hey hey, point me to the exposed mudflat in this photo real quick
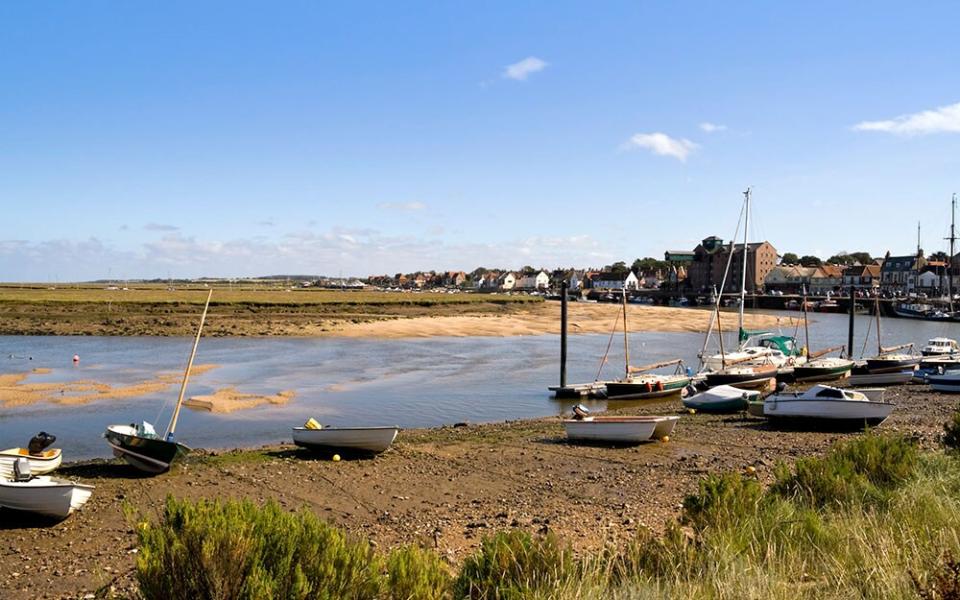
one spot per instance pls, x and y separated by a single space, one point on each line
444 488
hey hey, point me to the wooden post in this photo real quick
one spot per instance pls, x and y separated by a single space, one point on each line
186 374
563 334
626 344
853 304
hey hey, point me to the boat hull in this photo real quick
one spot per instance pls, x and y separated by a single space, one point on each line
741 375
842 413
948 384
358 439
46 496
892 378
619 430
151 455
644 389
890 365
721 399
823 371
47 462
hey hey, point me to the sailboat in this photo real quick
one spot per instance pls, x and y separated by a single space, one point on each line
637 382
759 354
139 445
889 359
818 366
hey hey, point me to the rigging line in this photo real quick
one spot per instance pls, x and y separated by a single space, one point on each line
866 338
723 283
603 360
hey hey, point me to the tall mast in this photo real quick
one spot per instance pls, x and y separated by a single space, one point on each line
879 341
626 345
743 264
186 374
952 238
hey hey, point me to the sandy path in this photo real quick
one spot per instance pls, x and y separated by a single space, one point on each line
585 317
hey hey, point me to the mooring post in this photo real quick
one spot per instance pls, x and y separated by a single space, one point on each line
563 334
853 305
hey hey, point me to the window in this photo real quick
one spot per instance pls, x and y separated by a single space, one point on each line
829 393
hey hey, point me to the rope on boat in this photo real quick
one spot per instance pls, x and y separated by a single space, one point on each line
603 360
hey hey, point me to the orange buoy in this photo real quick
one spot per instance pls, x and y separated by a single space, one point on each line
76 358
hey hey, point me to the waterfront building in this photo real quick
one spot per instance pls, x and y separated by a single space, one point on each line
710 260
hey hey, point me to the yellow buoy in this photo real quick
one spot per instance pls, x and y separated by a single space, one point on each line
665 438
692 411
336 458
751 470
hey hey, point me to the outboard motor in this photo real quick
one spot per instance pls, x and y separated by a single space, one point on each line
40 442
781 387
580 412
21 470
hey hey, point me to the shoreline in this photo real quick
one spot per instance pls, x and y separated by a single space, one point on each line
442 487
479 318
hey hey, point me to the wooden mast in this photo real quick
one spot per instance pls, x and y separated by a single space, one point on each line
806 321
952 238
626 345
186 374
723 356
879 342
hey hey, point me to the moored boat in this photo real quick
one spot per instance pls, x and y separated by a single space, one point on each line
42 459
619 430
359 439
825 404
140 446
823 369
646 386
742 374
948 382
861 375
940 346
892 362
43 495
721 399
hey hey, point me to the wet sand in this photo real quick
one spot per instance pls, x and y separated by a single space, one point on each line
16 391
227 400
443 488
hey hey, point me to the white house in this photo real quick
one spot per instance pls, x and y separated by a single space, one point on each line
575 282
608 281
508 281
540 281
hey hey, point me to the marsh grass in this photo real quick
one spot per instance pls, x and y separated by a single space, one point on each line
873 518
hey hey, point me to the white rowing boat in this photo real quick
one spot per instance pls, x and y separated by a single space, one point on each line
363 439
619 430
42 495
45 462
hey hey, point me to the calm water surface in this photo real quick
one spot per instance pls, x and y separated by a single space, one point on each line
410 383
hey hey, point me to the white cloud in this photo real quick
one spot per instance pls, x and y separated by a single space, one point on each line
519 71
712 127
347 250
160 227
402 206
662 144
945 119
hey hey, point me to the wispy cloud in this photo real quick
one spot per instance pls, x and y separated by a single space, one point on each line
265 223
402 206
709 127
662 144
945 119
520 71
160 227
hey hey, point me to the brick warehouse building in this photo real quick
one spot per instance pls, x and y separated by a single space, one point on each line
710 260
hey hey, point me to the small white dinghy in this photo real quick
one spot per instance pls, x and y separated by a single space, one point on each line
42 460
828 404
359 439
616 429
42 495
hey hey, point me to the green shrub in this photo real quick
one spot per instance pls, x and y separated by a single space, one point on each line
515 565
865 470
417 574
951 432
722 499
237 550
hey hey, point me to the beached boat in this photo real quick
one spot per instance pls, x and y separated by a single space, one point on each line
42 495
637 383
358 439
38 453
892 362
742 375
827 404
139 445
823 369
948 382
861 375
940 346
619 430
721 399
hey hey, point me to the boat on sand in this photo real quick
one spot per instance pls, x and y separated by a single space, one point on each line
721 399
617 429
358 439
825 404
43 495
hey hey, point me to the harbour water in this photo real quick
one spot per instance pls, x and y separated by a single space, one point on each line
342 381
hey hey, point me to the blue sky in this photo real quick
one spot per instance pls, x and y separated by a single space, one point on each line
155 139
